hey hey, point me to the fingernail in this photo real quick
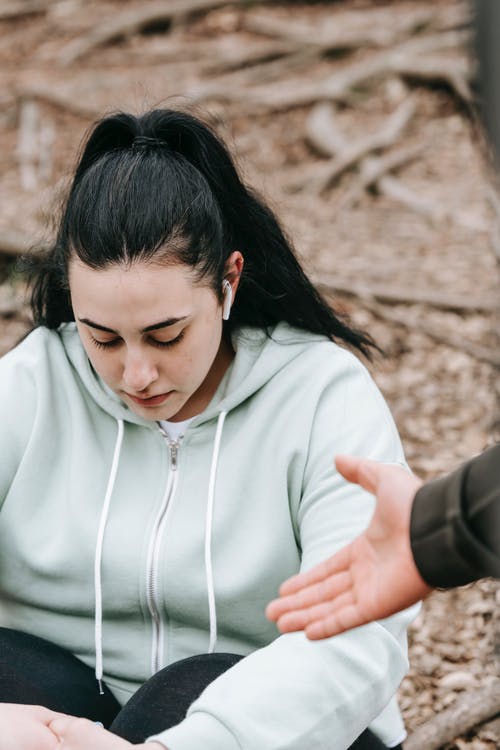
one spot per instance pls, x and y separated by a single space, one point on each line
99 724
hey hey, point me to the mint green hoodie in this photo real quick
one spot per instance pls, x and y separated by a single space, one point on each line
134 553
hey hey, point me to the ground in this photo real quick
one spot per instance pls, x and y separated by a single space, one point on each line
415 265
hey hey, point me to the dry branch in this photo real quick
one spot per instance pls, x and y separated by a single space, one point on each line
326 137
13 242
11 307
338 86
324 175
27 145
322 132
374 171
379 27
398 191
394 295
476 351
471 709
494 201
336 36
71 104
262 54
134 21
14 10
454 73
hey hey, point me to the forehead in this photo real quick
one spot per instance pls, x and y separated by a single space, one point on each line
135 294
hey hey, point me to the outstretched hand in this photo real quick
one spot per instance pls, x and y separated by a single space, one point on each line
373 577
24 727
80 734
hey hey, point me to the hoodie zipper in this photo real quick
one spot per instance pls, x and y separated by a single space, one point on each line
154 553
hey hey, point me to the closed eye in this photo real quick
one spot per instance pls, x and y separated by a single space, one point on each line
105 344
154 342
171 342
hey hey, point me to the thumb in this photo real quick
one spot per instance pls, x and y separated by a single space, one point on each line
360 471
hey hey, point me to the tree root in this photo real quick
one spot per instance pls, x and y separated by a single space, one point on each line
133 21
10 11
345 155
470 709
394 295
403 59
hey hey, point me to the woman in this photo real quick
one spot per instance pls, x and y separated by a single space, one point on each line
166 443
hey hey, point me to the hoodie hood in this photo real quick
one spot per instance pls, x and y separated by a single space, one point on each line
259 356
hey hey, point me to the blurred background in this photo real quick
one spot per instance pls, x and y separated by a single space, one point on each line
358 120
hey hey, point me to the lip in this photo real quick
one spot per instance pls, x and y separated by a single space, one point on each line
152 401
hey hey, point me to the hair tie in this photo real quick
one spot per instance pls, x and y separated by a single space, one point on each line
141 142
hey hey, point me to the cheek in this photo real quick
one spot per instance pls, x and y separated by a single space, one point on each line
105 364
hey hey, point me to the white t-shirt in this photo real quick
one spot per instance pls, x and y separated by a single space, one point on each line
175 429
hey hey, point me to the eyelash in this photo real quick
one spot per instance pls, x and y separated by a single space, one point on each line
154 342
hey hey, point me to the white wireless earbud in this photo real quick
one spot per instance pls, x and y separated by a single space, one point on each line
227 290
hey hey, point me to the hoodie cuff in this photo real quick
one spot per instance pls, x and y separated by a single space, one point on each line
197 730
446 552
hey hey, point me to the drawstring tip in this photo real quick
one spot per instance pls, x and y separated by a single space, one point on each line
99 683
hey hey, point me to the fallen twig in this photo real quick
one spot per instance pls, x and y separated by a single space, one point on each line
337 87
469 710
347 30
374 170
13 242
324 175
133 21
12 10
454 73
27 145
56 99
398 191
476 351
394 295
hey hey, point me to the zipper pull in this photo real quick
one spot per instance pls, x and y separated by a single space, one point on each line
173 447
174 450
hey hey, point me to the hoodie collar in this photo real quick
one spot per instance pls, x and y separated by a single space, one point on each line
259 355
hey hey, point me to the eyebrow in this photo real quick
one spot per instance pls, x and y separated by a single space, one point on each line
154 327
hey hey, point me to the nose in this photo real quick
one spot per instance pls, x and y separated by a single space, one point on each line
139 371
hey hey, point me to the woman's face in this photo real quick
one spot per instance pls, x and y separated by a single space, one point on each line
153 334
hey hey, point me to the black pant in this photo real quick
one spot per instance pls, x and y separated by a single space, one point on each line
35 671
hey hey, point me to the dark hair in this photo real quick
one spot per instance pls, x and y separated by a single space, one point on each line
163 187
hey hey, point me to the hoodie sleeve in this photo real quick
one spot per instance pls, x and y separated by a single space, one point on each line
297 694
17 410
455 524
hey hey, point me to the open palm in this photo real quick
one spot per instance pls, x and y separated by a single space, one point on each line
373 577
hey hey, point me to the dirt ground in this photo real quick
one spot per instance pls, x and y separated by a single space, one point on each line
411 256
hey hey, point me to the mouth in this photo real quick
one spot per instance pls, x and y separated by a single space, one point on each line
151 401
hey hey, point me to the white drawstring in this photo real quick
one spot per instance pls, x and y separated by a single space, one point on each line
208 535
98 557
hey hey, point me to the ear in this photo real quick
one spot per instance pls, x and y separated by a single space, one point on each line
233 268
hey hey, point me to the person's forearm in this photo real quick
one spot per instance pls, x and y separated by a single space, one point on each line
455 524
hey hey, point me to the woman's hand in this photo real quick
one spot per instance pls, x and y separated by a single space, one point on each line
81 734
25 727
373 577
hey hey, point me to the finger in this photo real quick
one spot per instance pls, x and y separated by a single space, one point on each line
337 563
338 622
65 726
324 591
362 471
299 619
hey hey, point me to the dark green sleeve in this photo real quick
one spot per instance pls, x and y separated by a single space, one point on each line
455 524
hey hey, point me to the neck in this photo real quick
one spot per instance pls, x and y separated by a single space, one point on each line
202 397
